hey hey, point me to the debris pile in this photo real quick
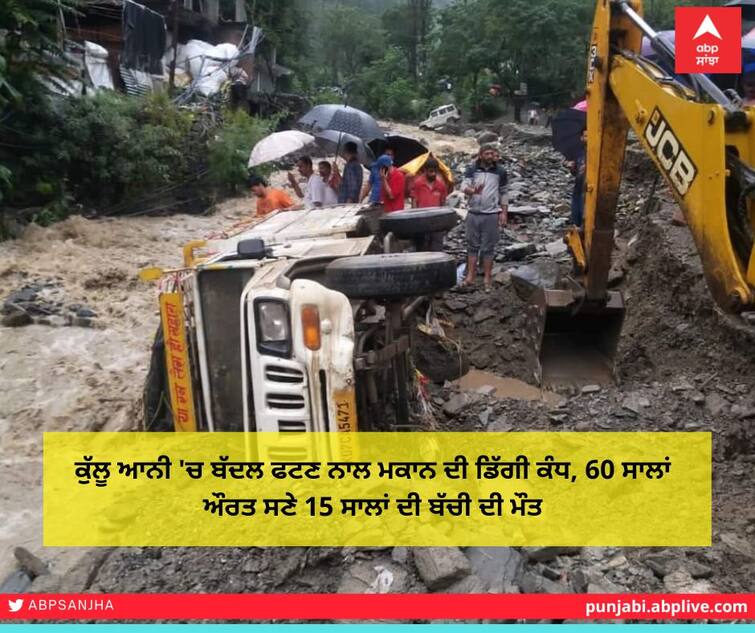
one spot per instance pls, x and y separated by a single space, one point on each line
43 302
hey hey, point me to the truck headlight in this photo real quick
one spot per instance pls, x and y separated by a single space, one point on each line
273 327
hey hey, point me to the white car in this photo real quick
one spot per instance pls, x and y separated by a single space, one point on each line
440 117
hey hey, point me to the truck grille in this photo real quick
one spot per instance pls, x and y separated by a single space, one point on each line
285 401
289 375
292 426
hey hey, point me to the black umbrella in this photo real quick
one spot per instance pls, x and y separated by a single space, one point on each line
333 141
341 118
567 128
748 9
405 147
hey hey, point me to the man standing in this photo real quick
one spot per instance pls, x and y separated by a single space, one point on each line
315 191
485 183
429 190
268 199
351 181
327 193
392 187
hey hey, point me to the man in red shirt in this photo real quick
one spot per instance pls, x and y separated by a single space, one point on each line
429 190
392 184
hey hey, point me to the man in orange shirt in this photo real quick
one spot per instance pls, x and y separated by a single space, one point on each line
268 199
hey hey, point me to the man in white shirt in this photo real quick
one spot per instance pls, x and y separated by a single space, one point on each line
329 193
316 193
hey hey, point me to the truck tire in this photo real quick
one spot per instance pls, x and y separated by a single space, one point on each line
419 221
391 276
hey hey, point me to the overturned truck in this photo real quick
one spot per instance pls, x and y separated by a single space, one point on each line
300 321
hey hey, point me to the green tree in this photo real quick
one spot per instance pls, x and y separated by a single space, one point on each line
349 40
407 26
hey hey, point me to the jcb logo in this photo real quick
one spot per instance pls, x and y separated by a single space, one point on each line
671 155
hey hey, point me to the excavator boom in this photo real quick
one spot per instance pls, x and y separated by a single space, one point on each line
703 145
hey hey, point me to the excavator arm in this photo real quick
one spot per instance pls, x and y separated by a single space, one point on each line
703 145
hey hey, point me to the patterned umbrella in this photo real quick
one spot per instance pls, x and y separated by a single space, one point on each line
341 118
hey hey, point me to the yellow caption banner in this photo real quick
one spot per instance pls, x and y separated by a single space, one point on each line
377 489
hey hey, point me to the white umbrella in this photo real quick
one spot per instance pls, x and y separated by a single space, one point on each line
278 145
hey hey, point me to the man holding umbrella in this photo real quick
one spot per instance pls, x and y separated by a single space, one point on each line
569 138
351 181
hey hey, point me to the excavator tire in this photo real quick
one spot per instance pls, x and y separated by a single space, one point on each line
419 221
391 276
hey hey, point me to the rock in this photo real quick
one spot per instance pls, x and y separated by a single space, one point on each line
16 319
454 200
374 576
400 554
480 358
604 586
49 583
495 565
470 133
82 322
591 389
562 207
517 252
632 404
522 210
455 304
470 584
17 581
86 313
682 385
483 138
534 583
457 403
582 578
663 563
56 320
24 295
556 248
682 582
698 570
31 564
739 545
544 554
716 404
483 314
440 566
543 273
81 576
551 574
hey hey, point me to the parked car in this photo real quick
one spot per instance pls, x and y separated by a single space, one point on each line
302 322
440 117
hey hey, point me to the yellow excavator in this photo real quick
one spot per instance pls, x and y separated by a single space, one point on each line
701 139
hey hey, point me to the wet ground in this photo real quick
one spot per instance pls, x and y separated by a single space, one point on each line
681 366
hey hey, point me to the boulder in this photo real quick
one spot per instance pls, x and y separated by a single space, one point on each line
441 566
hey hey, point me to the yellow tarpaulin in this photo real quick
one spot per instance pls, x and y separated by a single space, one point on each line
413 166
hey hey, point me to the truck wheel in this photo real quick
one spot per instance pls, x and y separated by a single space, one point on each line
419 221
391 276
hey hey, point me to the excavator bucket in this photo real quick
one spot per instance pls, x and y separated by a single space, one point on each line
575 341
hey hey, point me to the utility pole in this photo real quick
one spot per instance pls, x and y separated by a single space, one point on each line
172 76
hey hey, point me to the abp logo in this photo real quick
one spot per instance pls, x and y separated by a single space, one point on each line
708 40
